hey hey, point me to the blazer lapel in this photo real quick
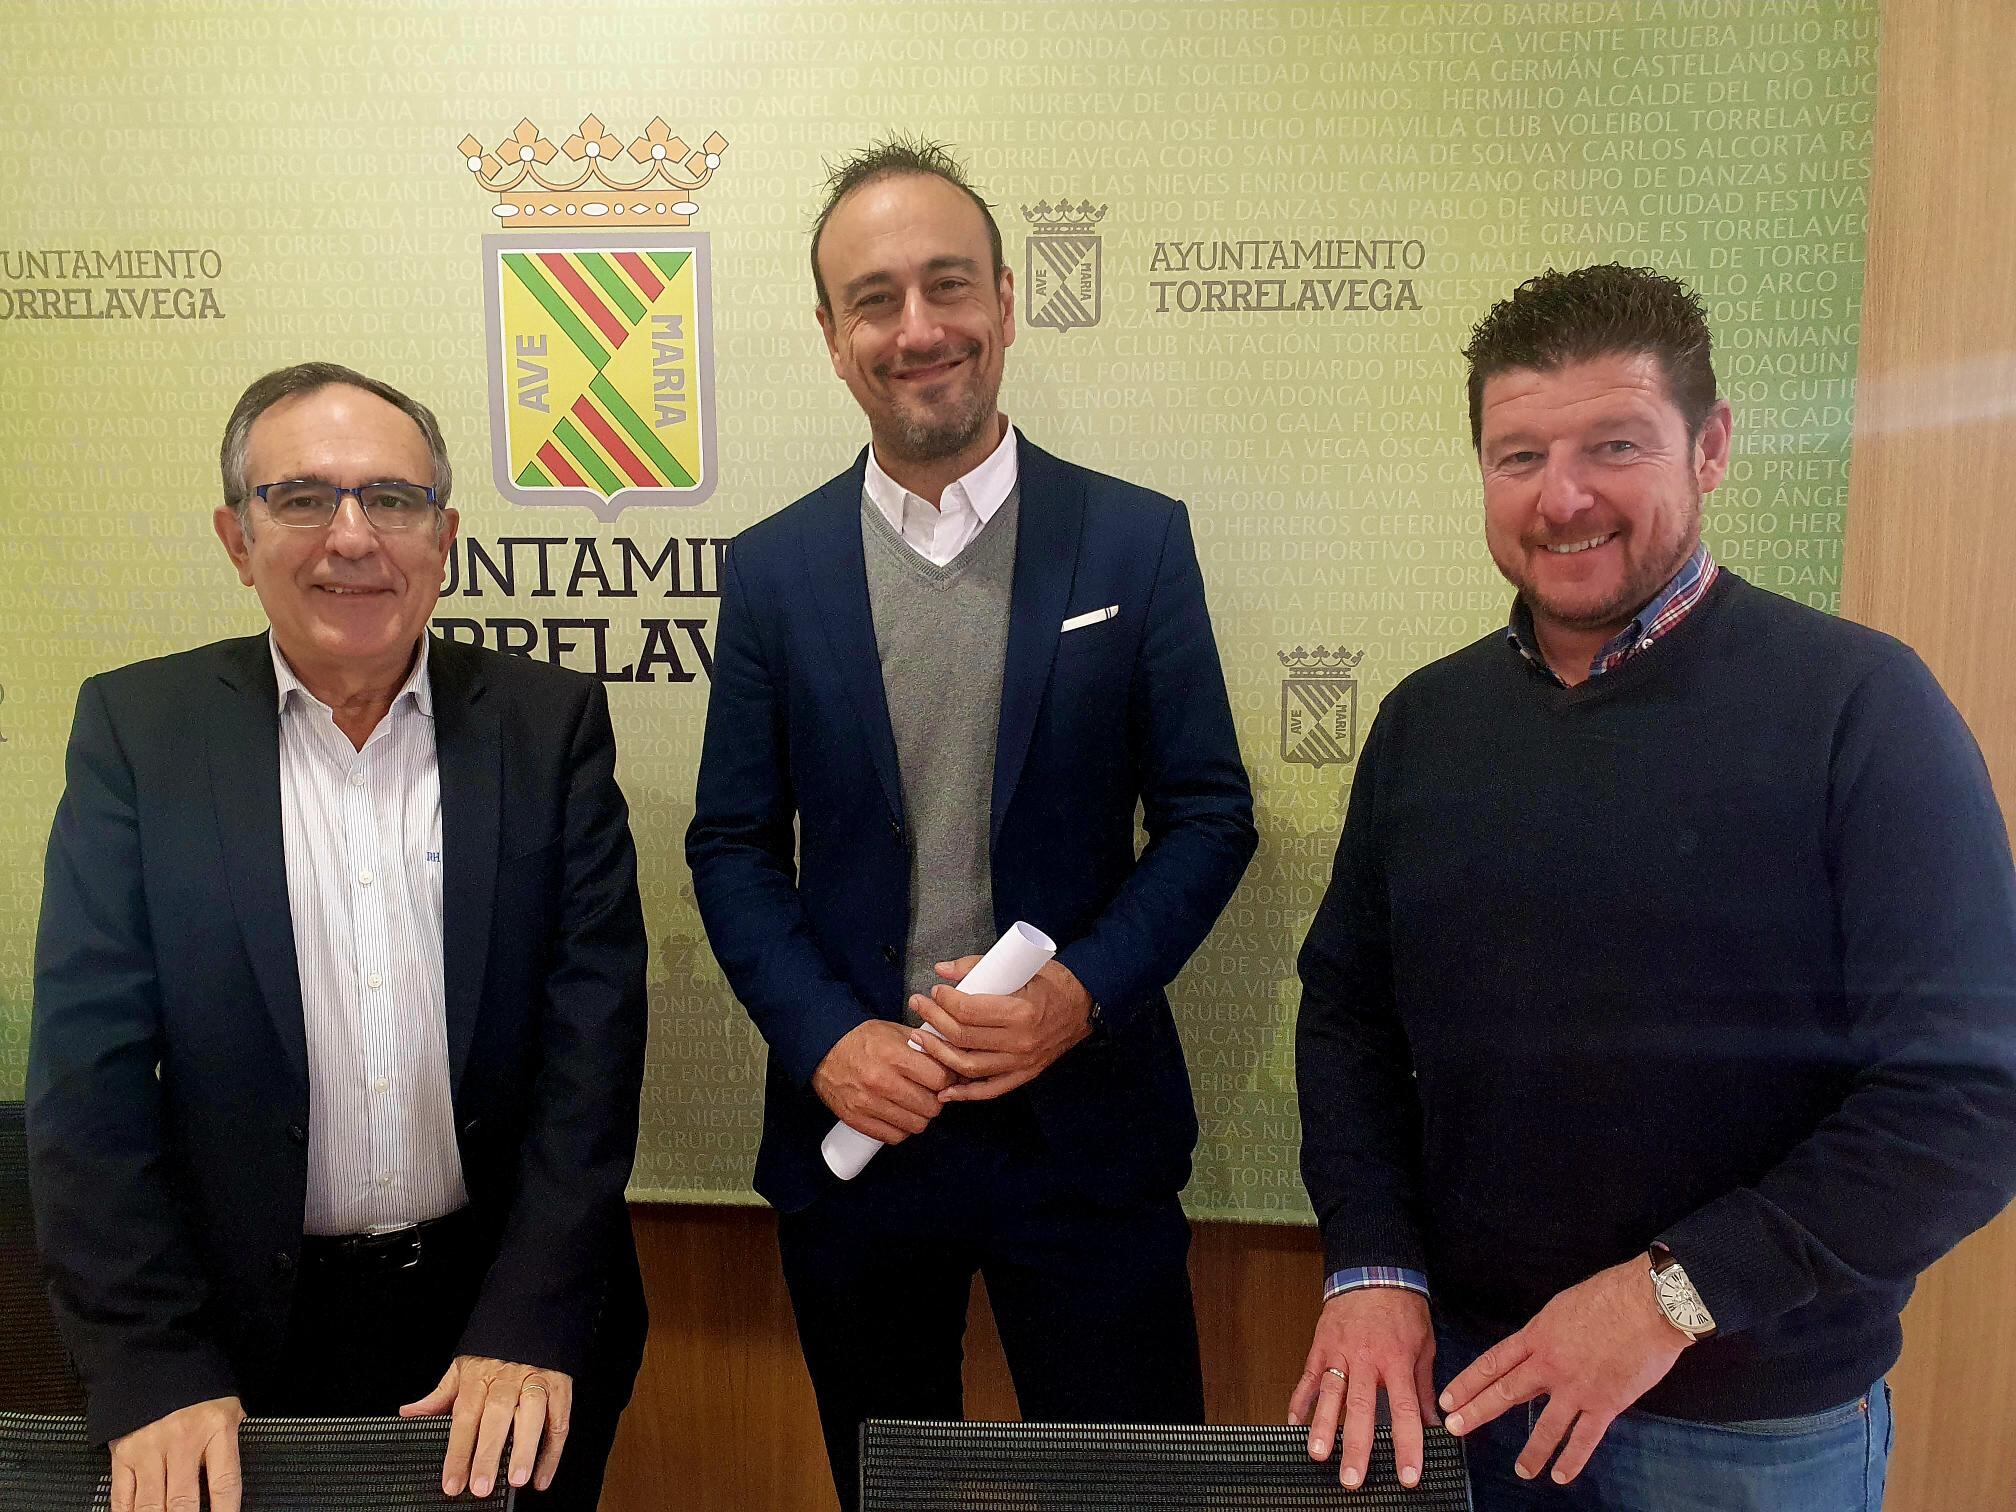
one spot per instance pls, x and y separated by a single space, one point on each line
1046 562
468 749
837 569
244 748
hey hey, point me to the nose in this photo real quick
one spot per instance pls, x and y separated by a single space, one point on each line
1563 494
920 330
350 533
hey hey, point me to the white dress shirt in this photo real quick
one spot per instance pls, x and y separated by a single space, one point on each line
939 533
362 831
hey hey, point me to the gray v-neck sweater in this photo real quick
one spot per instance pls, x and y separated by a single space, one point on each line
942 636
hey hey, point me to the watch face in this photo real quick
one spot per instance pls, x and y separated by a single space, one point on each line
1681 1302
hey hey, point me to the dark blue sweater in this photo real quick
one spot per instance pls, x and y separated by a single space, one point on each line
1717 949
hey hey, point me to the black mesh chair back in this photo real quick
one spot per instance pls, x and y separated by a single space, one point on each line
35 1373
1060 1467
290 1465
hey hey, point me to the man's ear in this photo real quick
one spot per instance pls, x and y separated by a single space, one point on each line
826 329
1711 447
237 540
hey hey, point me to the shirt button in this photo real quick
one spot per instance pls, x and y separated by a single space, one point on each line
374 981
383 1084
385 1178
364 879
356 779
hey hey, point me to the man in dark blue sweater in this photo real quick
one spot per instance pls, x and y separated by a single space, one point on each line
1659 1023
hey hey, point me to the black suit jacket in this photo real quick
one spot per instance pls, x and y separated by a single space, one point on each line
167 1068
800 853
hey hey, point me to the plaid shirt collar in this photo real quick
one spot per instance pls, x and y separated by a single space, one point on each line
1667 608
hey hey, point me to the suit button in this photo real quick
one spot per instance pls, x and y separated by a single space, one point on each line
283 1264
296 1133
896 829
890 954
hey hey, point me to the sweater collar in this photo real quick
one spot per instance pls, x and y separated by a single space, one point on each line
1664 610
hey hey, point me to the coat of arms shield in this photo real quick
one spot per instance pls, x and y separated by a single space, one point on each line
601 367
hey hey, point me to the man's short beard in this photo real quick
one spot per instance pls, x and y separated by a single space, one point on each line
1602 617
1631 596
937 434
933 438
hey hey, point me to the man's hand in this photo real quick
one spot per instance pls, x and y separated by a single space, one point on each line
155 1467
996 1044
1366 1339
1592 1351
490 1398
878 1084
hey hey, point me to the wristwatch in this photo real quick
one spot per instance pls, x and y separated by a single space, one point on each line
1677 1297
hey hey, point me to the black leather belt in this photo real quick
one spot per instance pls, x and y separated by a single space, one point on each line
399 1249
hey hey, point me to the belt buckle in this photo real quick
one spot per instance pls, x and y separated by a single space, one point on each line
397 1248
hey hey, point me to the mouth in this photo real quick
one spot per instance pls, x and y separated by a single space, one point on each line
349 590
927 374
1575 548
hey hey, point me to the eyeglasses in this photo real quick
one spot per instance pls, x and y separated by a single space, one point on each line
304 504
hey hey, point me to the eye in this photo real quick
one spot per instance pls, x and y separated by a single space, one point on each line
1519 459
1618 448
290 501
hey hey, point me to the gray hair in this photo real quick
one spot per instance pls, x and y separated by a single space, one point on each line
306 378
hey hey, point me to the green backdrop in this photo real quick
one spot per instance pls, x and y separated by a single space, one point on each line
1249 240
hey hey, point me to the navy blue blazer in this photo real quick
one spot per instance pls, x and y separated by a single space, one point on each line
169 1202
798 842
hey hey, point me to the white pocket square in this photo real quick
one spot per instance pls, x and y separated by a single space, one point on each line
1091 617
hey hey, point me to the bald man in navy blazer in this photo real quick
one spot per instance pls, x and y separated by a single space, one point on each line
943 683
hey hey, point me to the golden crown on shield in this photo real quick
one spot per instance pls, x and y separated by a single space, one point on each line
1321 662
1064 216
591 181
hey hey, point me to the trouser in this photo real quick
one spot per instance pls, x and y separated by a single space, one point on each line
1092 1302
370 1332
1830 1461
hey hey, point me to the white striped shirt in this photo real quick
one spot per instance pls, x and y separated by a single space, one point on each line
362 831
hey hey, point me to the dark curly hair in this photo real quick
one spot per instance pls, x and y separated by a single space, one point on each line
1600 311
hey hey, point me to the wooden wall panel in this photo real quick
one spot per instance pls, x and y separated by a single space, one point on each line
724 1422
1931 550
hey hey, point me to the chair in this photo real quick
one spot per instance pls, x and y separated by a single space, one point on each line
290 1465
37 1376
1059 1467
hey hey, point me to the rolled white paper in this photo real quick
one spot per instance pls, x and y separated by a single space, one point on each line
1006 968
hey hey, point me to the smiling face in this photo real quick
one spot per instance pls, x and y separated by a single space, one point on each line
347 602
1592 488
919 322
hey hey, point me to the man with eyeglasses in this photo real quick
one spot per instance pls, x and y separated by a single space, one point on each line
339 1002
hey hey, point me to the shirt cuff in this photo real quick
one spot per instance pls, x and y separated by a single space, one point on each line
1357 1277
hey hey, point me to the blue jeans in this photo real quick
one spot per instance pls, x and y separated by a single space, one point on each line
1832 1461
